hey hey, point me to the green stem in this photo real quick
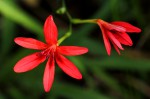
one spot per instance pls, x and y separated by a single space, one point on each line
62 10
79 21
69 16
72 21
67 34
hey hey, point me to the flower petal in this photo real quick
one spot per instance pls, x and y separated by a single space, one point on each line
114 40
30 43
105 38
49 74
50 31
129 27
116 48
68 67
111 26
72 50
123 38
29 62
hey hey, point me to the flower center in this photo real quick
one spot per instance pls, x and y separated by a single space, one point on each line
49 51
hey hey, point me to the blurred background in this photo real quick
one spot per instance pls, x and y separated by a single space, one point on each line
124 76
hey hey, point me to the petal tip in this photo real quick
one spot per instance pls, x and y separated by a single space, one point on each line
50 30
50 17
122 48
16 39
139 30
131 44
79 77
108 51
108 54
86 50
17 70
47 90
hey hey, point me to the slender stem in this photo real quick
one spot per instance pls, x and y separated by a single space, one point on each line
72 21
69 16
67 34
62 9
63 3
79 21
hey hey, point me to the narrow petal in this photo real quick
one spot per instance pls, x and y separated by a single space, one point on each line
30 43
50 31
115 27
49 74
105 38
72 50
109 26
28 63
116 48
129 27
114 40
123 38
68 67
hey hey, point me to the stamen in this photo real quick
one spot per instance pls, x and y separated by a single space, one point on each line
48 52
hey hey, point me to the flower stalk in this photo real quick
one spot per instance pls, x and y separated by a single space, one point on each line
79 21
114 33
63 10
67 34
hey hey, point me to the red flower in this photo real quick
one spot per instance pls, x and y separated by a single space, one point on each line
116 33
50 51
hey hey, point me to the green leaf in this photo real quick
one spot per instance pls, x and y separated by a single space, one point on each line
15 93
7 67
7 35
120 62
75 92
13 12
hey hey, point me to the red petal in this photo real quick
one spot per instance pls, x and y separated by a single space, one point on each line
114 40
72 50
30 43
111 26
116 48
49 74
106 40
28 63
50 31
123 38
68 67
129 27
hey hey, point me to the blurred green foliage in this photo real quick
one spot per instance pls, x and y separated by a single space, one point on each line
104 77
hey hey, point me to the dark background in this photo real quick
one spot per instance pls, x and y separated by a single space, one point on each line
124 76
